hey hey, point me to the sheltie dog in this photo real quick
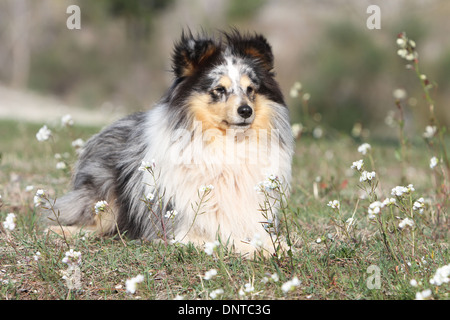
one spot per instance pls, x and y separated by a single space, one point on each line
192 169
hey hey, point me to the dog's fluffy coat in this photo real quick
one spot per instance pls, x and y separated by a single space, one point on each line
223 123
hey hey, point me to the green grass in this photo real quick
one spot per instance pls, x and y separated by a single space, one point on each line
334 268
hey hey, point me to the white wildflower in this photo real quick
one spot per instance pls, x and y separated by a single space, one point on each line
215 293
210 274
358 165
423 295
256 241
37 256
389 202
171 214
275 277
78 143
270 183
147 165
441 276
430 131
364 148
399 94
204 188
419 205
335 204
43 134
10 222
210 247
290 285
72 258
248 287
407 222
296 129
61 165
100 206
433 162
132 283
399 191
29 188
67 121
295 89
374 209
150 196
413 282
401 42
367 176
39 198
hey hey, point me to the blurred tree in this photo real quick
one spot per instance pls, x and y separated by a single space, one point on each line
138 14
239 10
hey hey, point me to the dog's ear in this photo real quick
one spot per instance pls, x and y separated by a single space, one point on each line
191 53
253 46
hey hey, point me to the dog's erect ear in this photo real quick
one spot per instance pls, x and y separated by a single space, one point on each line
191 53
253 46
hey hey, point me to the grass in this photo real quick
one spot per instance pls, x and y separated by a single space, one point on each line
346 242
334 268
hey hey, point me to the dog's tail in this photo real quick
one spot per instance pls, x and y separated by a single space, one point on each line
74 208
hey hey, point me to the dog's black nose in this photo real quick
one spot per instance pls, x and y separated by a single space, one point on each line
245 111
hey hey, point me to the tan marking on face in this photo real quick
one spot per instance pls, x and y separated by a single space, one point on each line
245 82
225 82
263 113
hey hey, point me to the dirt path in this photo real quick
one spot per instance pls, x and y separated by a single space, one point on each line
32 107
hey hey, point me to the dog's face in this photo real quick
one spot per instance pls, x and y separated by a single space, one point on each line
228 83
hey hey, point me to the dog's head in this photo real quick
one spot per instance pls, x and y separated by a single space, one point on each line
226 83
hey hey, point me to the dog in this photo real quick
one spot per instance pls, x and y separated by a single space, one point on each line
200 165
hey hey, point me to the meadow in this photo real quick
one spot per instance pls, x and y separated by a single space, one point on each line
366 218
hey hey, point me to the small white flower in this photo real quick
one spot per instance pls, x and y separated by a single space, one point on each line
72 258
210 274
367 176
413 283
401 42
358 165
433 162
171 214
204 188
256 241
78 143
270 183
39 198
441 276
210 247
317 132
215 293
335 204
296 129
150 196
399 94
423 295
37 256
275 277
147 165
389 202
43 134
419 205
295 89
29 188
364 148
248 287
10 222
374 209
402 53
407 222
399 191
290 285
61 165
430 131
100 206
132 283
67 121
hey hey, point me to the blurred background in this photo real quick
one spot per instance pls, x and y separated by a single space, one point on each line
119 61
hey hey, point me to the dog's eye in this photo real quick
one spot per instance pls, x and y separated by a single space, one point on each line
219 90
250 90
